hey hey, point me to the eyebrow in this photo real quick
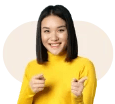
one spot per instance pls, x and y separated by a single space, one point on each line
57 27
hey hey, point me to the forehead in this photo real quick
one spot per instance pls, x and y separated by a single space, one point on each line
52 21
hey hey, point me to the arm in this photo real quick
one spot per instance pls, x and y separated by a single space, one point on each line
26 94
90 85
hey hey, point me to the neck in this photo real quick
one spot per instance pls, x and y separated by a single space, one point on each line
56 58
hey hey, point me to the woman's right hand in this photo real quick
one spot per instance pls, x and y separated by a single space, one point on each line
37 83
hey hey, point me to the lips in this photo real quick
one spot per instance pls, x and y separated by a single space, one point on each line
54 43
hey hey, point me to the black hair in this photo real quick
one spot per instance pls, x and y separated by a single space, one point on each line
72 45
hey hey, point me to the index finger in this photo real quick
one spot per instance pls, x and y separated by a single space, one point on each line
82 80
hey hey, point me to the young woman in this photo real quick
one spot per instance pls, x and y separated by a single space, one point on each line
58 75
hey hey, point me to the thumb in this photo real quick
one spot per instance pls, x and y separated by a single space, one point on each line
74 80
40 76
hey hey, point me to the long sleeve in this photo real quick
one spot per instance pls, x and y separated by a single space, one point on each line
90 85
76 100
26 94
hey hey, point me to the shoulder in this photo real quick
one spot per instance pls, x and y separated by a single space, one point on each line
83 60
87 64
32 62
29 68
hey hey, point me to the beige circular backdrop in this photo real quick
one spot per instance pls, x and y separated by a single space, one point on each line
93 43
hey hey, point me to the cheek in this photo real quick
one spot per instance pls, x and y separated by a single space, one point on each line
63 36
44 38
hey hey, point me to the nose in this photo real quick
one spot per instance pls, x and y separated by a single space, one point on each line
54 37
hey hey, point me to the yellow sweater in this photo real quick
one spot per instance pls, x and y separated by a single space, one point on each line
58 75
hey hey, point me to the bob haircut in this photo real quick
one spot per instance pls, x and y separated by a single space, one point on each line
72 45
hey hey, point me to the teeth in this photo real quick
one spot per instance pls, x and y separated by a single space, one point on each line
55 44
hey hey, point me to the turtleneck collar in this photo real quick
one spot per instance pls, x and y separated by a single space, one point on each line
52 58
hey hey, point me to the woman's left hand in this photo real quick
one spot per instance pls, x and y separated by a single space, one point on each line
77 86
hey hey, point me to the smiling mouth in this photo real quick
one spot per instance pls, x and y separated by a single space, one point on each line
55 45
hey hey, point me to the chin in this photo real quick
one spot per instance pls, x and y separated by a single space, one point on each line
55 53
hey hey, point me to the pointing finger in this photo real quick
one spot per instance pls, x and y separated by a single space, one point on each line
82 80
39 76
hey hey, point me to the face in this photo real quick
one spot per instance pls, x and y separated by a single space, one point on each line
54 34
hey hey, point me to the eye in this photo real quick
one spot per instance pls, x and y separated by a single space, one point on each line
61 30
46 31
